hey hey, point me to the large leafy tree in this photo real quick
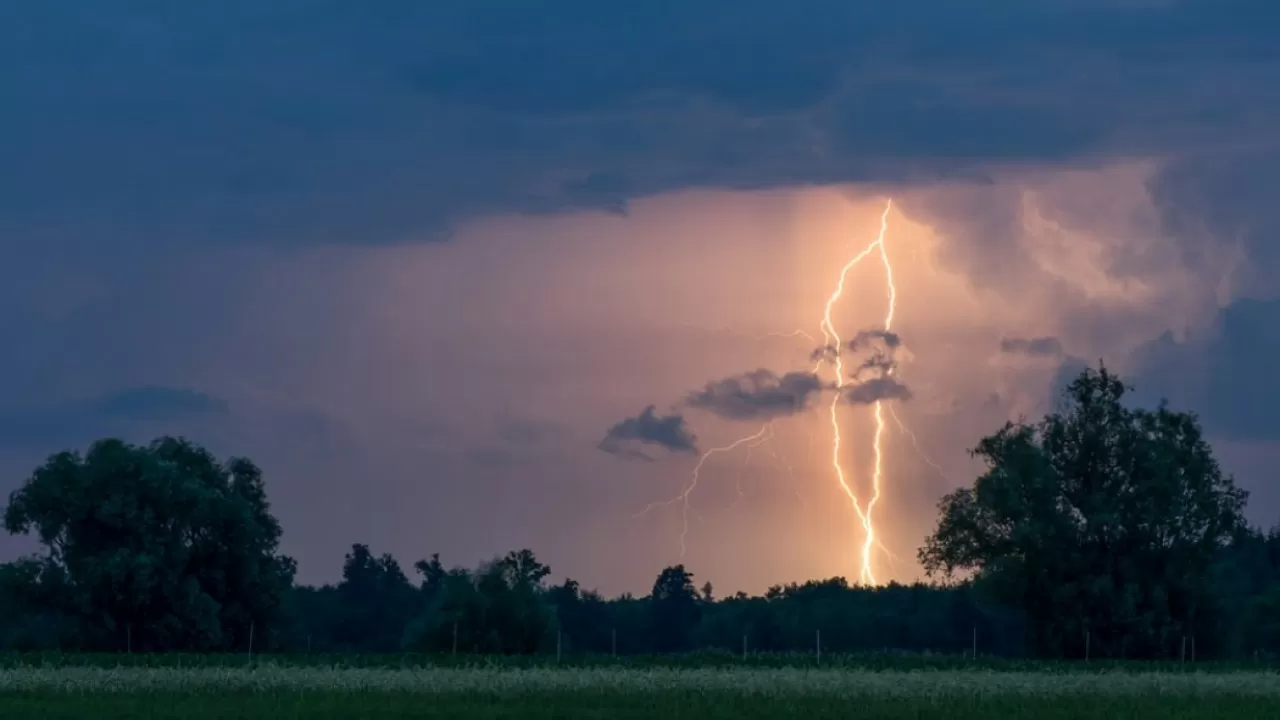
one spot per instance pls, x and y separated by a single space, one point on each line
155 547
1100 520
675 610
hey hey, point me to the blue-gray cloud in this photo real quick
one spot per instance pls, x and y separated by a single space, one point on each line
627 437
756 395
1226 374
322 122
876 389
131 410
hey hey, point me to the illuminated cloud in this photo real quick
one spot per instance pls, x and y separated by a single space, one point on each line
648 428
760 394
880 388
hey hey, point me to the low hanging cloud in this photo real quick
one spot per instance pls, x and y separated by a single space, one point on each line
649 429
873 376
867 338
879 364
877 389
129 411
760 394
887 341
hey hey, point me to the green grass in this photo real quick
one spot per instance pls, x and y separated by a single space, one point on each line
275 691
695 660
352 706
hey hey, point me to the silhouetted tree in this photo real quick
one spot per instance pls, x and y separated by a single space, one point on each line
675 609
376 601
158 547
1099 519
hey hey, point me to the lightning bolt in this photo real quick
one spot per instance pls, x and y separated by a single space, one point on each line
746 463
832 340
915 442
761 435
870 538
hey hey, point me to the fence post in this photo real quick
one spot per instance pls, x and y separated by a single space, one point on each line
1193 648
1182 657
818 644
128 639
251 626
744 646
974 655
1086 646
613 642
559 635
455 636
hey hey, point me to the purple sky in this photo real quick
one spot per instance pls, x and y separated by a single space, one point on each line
416 259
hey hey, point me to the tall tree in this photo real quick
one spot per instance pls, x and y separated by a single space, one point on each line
675 609
376 600
158 547
1099 519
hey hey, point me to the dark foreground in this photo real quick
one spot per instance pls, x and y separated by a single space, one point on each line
273 691
707 707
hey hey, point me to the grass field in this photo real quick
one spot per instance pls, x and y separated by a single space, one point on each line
276 691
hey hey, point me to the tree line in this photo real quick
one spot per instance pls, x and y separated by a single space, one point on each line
1101 529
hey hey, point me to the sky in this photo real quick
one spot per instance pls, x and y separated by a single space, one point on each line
475 275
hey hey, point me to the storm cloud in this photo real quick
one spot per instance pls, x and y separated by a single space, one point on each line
875 390
649 429
865 338
330 123
118 414
1226 372
760 394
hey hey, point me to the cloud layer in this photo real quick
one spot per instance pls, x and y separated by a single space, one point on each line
327 123
760 394
648 428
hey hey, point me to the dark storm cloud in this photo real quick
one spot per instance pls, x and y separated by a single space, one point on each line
760 394
875 389
865 338
880 364
72 424
1038 347
1221 208
319 122
1227 374
648 428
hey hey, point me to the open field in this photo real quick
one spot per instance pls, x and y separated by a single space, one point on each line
492 692
701 660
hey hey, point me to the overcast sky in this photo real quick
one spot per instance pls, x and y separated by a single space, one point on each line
418 258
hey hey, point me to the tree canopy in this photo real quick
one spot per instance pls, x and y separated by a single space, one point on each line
1100 520
156 547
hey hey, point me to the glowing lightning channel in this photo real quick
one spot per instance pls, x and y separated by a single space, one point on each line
870 539
832 340
760 435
